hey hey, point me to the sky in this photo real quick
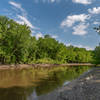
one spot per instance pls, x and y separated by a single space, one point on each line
69 21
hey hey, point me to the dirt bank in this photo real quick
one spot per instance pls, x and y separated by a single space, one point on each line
21 66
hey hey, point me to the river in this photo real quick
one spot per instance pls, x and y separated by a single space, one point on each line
36 84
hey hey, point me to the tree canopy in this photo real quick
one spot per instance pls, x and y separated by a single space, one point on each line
17 46
97 49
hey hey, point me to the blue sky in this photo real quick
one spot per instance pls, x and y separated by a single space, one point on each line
69 21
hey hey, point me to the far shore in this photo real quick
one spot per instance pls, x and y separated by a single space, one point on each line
22 66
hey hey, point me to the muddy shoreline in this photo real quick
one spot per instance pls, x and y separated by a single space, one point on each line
21 66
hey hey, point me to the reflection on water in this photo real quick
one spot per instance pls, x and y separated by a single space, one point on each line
33 84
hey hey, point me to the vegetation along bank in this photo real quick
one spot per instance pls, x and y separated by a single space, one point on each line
19 46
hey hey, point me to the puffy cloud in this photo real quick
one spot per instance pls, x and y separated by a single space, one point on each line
80 22
70 20
39 35
80 29
95 10
85 2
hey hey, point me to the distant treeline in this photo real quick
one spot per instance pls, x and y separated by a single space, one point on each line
18 46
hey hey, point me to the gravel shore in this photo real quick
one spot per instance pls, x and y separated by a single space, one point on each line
87 87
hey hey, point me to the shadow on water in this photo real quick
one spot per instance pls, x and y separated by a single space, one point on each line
31 84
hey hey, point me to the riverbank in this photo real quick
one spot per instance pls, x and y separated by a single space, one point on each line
87 87
21 66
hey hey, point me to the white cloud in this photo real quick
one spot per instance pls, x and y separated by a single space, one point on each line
54 36
96 23
24 20
86 47
85 2
47 1
80 46
70 20
23 17
16 5
20 22
95 10
68 44
80 29
39 35
52 1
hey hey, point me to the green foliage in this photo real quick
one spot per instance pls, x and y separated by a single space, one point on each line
96 52
78 55
14 41
97 55
44 61
47 47
18 46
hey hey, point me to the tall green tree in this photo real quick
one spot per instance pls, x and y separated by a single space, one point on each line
13 41
97 49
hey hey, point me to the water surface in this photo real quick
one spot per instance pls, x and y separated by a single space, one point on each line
36 84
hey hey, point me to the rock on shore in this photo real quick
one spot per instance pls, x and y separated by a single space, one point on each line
87 87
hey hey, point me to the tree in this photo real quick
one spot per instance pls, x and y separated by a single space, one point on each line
13 41
32 50
17 45
47 47
61 53
97 49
